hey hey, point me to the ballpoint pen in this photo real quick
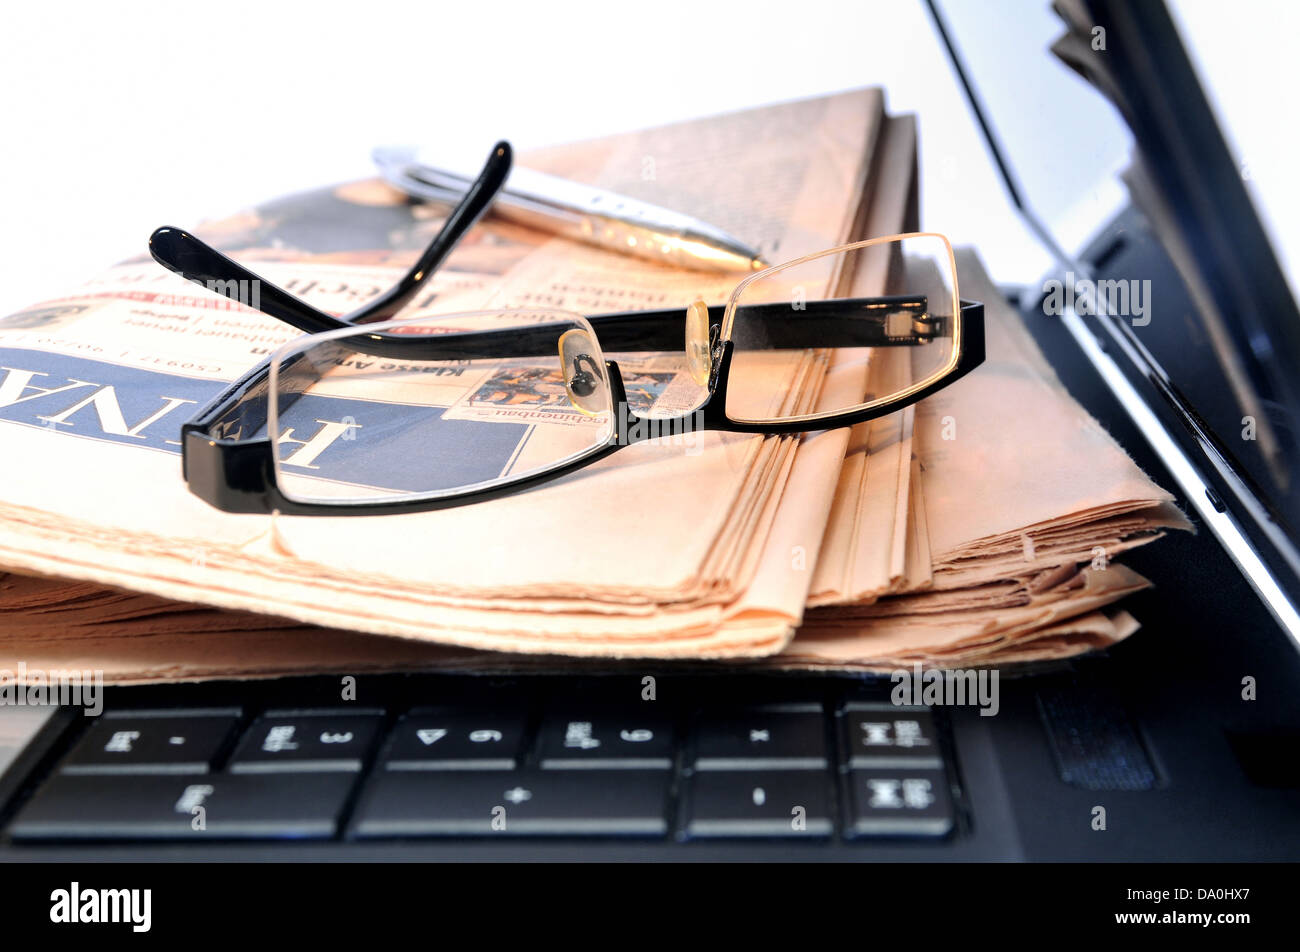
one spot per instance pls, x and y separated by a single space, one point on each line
581 212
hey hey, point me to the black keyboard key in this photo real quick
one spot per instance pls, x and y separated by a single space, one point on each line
525 803
882 735
605 741
898 802
738 804
189 808
779 737
311 741
162 742
455 740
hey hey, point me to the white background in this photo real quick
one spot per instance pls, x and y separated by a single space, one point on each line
118 118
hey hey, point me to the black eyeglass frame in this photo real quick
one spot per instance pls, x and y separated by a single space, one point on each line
237 473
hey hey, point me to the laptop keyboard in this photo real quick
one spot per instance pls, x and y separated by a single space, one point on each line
816 768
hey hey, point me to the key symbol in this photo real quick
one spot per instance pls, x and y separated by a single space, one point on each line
280 738
885 794
194 796
916 793
877 733
760 796
343 738
121 741
431 735
482 737
759 736
909 734
578 734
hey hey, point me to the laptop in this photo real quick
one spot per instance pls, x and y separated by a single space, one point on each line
1180 743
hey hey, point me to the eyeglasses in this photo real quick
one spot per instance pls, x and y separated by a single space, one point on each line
368 415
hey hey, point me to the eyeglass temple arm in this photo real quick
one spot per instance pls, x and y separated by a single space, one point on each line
196 261
845 322
822 324
468 211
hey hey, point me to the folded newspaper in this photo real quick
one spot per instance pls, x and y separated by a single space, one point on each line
856 548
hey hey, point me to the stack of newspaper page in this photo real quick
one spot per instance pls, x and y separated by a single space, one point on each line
979 527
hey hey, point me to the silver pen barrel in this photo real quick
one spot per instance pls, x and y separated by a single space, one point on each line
583 213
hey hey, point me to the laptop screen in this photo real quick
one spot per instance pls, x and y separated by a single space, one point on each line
1095 106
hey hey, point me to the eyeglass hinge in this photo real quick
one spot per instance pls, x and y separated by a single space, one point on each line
715 354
